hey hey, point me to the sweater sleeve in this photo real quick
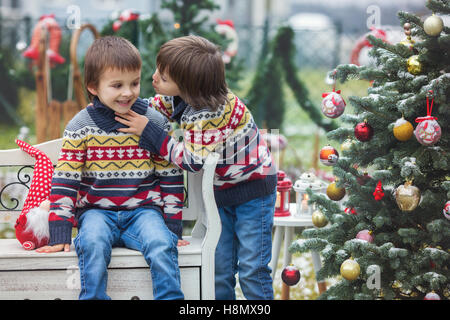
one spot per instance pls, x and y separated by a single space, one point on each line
65 185
188 147
162 104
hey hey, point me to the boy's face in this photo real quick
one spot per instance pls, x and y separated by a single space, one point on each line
164 85
118 89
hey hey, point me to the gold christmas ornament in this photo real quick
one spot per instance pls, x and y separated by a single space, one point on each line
414 65
350 269
433 25
403 130
407 196
319 219
335 193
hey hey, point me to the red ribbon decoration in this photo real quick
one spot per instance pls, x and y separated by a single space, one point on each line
429 109
334 88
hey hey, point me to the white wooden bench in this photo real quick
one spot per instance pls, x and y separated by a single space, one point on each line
31 275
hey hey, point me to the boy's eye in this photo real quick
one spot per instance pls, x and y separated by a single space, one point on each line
117 85
135 84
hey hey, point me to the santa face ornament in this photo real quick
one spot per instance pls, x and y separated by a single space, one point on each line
428 132
333 105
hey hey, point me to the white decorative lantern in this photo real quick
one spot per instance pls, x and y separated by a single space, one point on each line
307 180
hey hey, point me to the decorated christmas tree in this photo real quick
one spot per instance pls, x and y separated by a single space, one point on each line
388 212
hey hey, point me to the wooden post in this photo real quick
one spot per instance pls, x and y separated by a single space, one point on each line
78 85
284 291
53 121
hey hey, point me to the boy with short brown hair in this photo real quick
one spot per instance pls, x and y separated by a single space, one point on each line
190 81
115 192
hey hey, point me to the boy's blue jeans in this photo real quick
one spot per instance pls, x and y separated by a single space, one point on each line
245 246
142 229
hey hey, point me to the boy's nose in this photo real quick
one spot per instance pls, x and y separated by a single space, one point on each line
155 76
127 92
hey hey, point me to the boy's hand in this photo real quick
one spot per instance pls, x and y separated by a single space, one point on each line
134 121
182 243
55 248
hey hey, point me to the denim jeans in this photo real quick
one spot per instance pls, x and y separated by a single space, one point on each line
142 229
245 247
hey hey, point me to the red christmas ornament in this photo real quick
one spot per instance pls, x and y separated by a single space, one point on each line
290 275
363 131
378 193
350 211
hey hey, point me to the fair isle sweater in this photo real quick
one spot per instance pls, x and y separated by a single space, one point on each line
100 167
245 170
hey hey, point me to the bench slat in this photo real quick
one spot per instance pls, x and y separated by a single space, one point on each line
14 257
123 284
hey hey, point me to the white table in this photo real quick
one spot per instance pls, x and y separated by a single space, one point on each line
284 228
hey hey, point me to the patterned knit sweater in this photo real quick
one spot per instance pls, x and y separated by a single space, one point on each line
100 167
245 170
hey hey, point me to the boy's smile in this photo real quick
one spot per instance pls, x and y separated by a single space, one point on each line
118 89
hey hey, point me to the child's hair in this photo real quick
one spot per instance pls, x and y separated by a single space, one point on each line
109 52
195 65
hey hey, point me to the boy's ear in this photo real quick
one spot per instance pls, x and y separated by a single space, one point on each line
92 90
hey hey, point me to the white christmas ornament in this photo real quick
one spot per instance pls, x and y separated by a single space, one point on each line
433 25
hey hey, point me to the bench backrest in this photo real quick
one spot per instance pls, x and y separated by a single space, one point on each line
18 159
